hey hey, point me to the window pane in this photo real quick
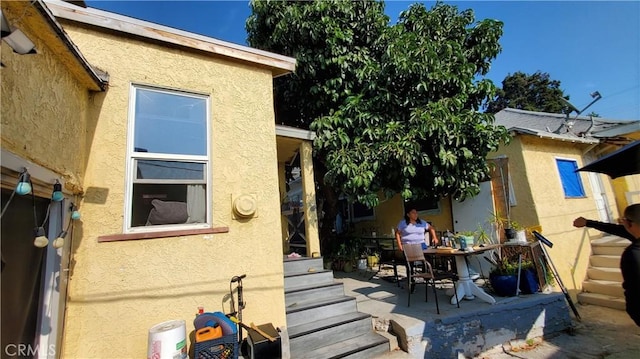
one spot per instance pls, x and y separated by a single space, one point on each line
169 170
170 123
174 204
571 182
422 205
360 210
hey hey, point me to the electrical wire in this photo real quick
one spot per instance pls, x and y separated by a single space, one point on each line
4 209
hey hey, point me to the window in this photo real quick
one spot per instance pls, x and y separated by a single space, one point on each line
361 212
431 206
571 182
168 164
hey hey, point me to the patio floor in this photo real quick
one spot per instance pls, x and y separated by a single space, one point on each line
529 326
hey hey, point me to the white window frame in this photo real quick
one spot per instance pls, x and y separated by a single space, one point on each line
133 156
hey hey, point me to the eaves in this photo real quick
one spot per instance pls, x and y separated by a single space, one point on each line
553 136
278 64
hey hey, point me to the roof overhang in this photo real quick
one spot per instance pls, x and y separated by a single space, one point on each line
288 140
620 130
553 136
37 17
278 64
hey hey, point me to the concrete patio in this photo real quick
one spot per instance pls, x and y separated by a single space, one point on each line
526 326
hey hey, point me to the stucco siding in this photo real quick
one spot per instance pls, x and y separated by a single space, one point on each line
541 201
43 111
118 290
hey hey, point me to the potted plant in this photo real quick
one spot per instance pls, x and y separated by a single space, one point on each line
520 233
467 237
373 257
482 237
503 223
504 276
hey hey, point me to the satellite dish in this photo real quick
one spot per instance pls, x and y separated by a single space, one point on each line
572 107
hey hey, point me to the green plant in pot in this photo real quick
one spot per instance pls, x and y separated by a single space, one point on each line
467 236
373 258
482 236
504 276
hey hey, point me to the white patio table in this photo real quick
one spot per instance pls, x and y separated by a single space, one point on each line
467 289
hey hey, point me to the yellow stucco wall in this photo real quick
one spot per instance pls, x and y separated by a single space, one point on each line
541 201
43 110
389 213
118 290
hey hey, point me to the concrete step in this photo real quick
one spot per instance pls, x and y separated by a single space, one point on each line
317 277
317 310
608 250
365 346
302 265
601 300
603 260
313 292
604 287
324 332
605 273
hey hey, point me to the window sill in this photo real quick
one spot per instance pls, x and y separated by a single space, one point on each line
160 234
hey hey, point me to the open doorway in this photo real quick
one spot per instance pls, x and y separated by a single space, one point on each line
30 277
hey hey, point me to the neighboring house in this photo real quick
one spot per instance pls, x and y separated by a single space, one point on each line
537 171
166 143
542 157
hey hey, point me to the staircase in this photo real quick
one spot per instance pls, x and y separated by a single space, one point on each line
603 285
323 323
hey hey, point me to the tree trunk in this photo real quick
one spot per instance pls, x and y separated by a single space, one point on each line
329 208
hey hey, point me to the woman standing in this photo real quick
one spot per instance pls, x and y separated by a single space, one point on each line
412 230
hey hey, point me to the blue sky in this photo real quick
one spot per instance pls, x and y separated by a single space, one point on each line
587 45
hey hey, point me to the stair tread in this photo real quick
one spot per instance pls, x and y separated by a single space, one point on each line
606 255
346 347
298 274
610 241
310 286
601 296
606 269
306 328
297 307
300 259
603 282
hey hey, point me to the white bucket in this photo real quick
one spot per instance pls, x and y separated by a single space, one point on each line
167 340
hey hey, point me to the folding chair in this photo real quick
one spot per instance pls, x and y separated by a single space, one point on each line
414 257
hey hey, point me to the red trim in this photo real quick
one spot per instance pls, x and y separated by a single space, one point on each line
160 234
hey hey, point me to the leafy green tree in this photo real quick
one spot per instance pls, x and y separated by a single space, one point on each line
536 92
394 107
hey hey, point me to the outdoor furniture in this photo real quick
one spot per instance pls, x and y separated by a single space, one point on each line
414 256
389 255
467 289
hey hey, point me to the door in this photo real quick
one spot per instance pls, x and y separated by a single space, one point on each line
32 304
474 212
600 198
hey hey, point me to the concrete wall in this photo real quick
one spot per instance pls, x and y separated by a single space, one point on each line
118 290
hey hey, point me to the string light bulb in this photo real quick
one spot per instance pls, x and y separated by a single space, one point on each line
41 240
59 242
75 215
24 184
57 194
